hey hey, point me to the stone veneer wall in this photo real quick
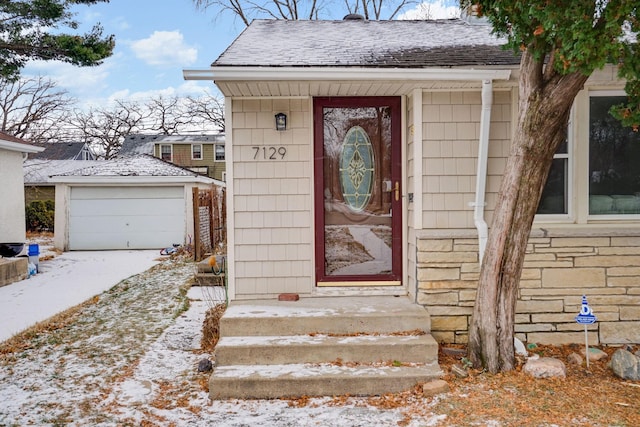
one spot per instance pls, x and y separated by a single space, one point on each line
560 266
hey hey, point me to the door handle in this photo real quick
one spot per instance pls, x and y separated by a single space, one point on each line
397 191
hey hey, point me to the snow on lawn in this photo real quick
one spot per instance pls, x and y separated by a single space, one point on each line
64 281
131 358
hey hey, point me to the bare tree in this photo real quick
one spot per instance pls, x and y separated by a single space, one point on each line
167 115
33 108
107 127
247 10
207 111
377 9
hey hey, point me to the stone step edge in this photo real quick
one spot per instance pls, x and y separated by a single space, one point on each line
323 339
290 381
314 370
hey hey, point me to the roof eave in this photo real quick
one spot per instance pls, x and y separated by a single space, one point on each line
132 180
22 148
256 73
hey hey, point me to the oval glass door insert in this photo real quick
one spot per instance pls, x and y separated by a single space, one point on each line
356 169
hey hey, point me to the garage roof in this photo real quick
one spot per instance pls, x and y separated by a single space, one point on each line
137 169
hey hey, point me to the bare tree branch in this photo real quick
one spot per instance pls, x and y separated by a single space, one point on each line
33 109
207 110
107 127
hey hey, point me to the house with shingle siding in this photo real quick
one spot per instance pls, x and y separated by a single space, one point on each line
384 179
203 154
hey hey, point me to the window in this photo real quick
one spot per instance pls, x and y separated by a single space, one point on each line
166 152
202 170
196 151
614 161
219 148
554 200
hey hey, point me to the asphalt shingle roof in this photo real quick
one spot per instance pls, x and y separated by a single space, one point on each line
359 43
59 151
142 165
135 144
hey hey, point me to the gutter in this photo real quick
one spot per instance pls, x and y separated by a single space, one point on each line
130 180
270 73
20 147
481 173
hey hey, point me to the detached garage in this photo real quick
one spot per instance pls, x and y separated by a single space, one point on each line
129 203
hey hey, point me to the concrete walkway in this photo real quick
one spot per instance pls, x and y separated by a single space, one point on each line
65 281
375 246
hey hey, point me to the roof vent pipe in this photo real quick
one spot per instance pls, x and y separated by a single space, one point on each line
353 17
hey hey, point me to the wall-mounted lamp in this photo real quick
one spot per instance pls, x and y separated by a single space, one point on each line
281 121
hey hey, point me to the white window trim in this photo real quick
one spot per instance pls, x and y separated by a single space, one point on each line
569 216
215 156
170 151
192 152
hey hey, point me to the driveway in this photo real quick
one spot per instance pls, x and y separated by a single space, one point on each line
65 281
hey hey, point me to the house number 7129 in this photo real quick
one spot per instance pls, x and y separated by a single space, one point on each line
269 153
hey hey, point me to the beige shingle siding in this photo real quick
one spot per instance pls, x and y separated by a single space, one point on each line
451 129
273 207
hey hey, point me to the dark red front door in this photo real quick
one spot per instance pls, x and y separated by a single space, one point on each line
358 207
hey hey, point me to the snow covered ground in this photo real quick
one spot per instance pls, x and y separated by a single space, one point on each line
64 281
130 358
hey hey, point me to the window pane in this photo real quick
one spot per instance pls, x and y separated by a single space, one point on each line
554 195
196 151
165 152
614 161
219 152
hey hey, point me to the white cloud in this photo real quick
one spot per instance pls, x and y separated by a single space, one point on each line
79 81
164 48
185 89
435 9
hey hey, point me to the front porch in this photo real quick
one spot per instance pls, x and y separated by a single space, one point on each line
323 346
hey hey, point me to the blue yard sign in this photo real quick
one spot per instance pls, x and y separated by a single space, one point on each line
586 317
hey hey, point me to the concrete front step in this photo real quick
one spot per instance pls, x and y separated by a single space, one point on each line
267 350
323 346
383 315
295 380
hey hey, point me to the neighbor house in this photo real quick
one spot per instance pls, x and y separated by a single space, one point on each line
13 152
138 202
65 151
365 158
54 158
203 154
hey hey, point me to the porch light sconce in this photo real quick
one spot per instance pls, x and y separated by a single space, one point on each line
281 121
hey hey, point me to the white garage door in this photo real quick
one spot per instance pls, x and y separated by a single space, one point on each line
126 217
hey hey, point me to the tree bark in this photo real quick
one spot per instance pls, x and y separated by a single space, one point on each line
545 103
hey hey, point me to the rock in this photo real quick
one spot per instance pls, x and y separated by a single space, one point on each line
595 354
545 367
205 365
456 352
574 359
435 387
625 365
519 347
459 371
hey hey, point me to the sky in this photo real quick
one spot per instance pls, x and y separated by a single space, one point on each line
155 41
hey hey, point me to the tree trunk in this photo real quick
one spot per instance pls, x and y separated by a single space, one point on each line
543 114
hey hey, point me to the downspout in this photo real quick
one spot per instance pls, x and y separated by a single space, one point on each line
481 177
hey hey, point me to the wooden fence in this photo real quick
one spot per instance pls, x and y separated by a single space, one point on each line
209 222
